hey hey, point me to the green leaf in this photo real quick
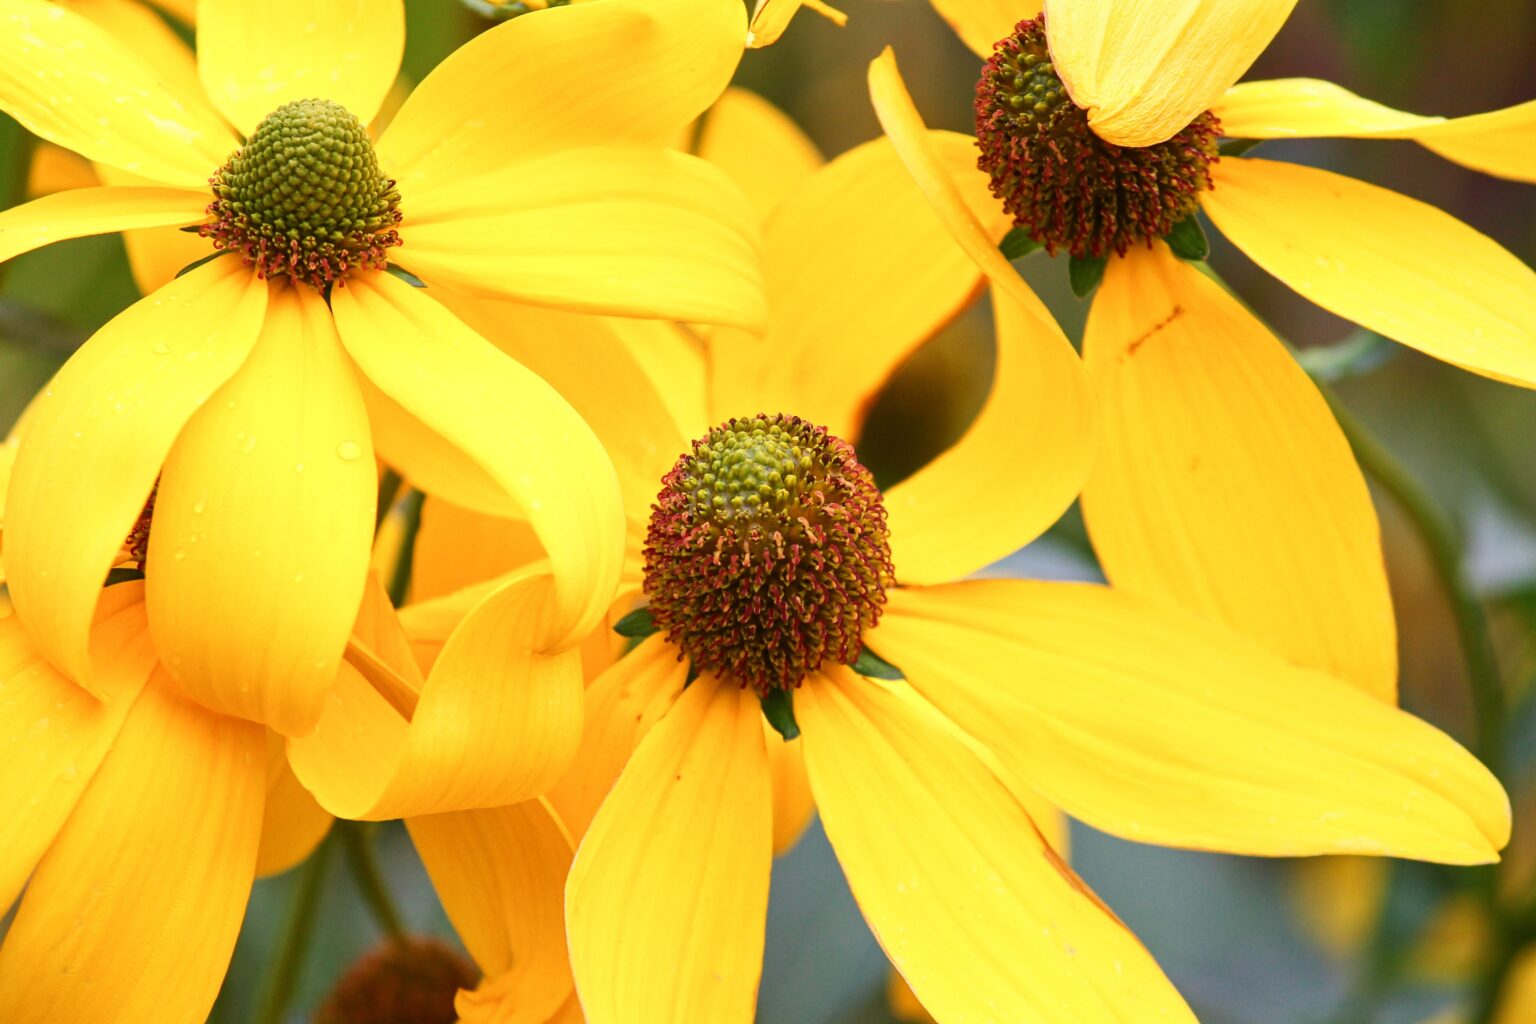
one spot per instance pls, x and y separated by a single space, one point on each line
405 275
1188 241
1237 147
779 709
206 259
868 663
1085 273
123 574
1017 243
637 625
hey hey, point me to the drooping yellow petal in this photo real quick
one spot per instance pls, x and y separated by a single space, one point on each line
456 548
793 804
69 82
1147 722
1501 142
837 263
56 169
519 431
500 874
497 721
132 913
622 705
1517 1002
94 211
981 23
253 58
771 17
626 406
294 823
53 734
476 112
983 919
759 146
1397 266
138 29
1224 483
683 844
616 229
959 513
1143 69
262 526
156 255
103 428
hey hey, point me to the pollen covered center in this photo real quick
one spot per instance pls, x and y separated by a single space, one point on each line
1065 186
304 197
767 553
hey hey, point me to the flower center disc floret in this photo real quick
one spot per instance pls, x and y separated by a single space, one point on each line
768 553
1065 186
305 197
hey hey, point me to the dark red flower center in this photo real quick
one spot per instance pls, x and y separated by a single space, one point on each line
768 553
1065 186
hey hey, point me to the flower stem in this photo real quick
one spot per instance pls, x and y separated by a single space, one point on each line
357 842
1444 548
298 931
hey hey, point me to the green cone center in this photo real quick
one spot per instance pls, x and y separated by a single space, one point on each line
304 196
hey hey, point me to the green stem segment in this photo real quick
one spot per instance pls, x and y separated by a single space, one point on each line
1443 546
356 839
298 933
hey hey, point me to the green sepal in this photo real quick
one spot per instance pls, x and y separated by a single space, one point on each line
206 259
122 574
637 625
693 673
405 275
1085 273
1017 243
779 709
1236 147
868 663
1188 241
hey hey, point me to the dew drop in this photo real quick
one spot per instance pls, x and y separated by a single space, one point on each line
161 348
349 451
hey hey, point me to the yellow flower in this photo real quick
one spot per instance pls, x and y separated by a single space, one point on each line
259 403
1136 717
1223 481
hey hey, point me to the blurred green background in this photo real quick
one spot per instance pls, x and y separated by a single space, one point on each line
1231 932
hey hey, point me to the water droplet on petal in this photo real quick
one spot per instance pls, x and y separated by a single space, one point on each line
349 451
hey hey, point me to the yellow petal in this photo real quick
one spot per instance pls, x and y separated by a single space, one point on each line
1184 733
142 32
958 513
627 406
69 82
103 428
759 146
837 263
771 17
476 113
156 255
94 211
1394 265
253 58
456 548
294 823
519 431
1518 1000
497 721
1501 142
1224 483
618 229
981 23
500 874
53 734
622 705
1143 69
793 804
262 526
683 844
133 912
950 872
56 169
